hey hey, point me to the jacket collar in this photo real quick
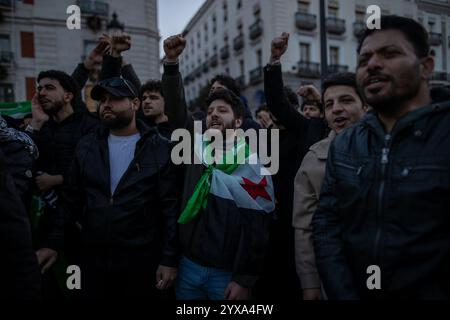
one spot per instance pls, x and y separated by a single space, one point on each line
144 130
417 119
321 148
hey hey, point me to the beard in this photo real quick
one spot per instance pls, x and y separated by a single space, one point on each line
120 121
392 102
52 108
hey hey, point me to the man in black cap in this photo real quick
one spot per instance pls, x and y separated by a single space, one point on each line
121 189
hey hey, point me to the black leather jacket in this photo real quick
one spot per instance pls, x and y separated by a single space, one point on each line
385 201
139 218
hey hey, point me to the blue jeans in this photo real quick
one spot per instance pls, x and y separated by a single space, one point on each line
195 282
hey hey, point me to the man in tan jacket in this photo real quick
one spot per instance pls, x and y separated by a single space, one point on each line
343 107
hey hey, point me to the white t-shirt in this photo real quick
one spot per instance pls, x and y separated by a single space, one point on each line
121 153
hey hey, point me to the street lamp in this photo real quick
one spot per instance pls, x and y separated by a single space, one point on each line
114 25
323 42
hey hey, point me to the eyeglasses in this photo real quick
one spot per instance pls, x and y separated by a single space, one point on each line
117 82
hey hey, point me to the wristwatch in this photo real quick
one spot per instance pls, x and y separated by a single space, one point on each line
30 129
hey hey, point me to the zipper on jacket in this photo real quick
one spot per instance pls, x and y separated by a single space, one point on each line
384 162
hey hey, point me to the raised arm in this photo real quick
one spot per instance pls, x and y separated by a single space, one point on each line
172 83
276 99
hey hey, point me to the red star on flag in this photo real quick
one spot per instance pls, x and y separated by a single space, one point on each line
256 190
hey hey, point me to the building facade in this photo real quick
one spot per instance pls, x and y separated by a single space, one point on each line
234 37
34 37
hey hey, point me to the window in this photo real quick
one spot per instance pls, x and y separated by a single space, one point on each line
225 12
30 85
5 48
6 92
259 57
303 6
332 12
334 55
27 44
242 67
214 22
305 52
239 4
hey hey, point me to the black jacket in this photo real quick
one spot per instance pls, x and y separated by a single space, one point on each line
57 141
385 201
298 136
127 222
20 278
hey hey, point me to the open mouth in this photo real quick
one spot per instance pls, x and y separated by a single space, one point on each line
215 125
375 83
340 121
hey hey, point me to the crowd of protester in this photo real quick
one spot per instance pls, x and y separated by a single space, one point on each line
363 180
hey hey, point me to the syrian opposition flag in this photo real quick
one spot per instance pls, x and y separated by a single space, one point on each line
233 186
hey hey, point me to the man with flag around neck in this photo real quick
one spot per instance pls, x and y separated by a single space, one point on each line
226 205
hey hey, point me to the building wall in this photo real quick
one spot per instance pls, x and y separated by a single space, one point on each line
279 16
56 47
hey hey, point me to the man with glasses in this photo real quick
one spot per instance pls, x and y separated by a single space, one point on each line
122 189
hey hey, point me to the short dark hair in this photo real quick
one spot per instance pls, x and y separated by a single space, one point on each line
262 107
341 79
414 32
318 104
152 85
227 82
291 96
229 97
66 81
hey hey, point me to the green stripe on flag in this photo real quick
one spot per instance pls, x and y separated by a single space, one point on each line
15 109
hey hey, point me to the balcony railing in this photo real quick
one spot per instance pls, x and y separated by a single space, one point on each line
256 30
305 21
198 71
308 69
225 52
6 4
205 66
256 75
238 42
335 25
337 68
6 56
435 38
214 61
99 8
241 81
440 76
359 27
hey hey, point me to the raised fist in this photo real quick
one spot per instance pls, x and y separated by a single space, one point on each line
120 42
174 46
279 47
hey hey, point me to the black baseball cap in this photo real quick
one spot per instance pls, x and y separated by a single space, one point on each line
117 87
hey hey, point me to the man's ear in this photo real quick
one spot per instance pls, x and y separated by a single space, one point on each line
68 97
238 123
427 67
136 103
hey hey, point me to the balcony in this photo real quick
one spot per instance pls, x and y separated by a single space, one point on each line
440 76
198 71
256 30
214 61
305 21
205 67
335 26
359 27
308 69
256 75
241 81
6 4
6 56
435 38
238 42
337 68
91 7
225 53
